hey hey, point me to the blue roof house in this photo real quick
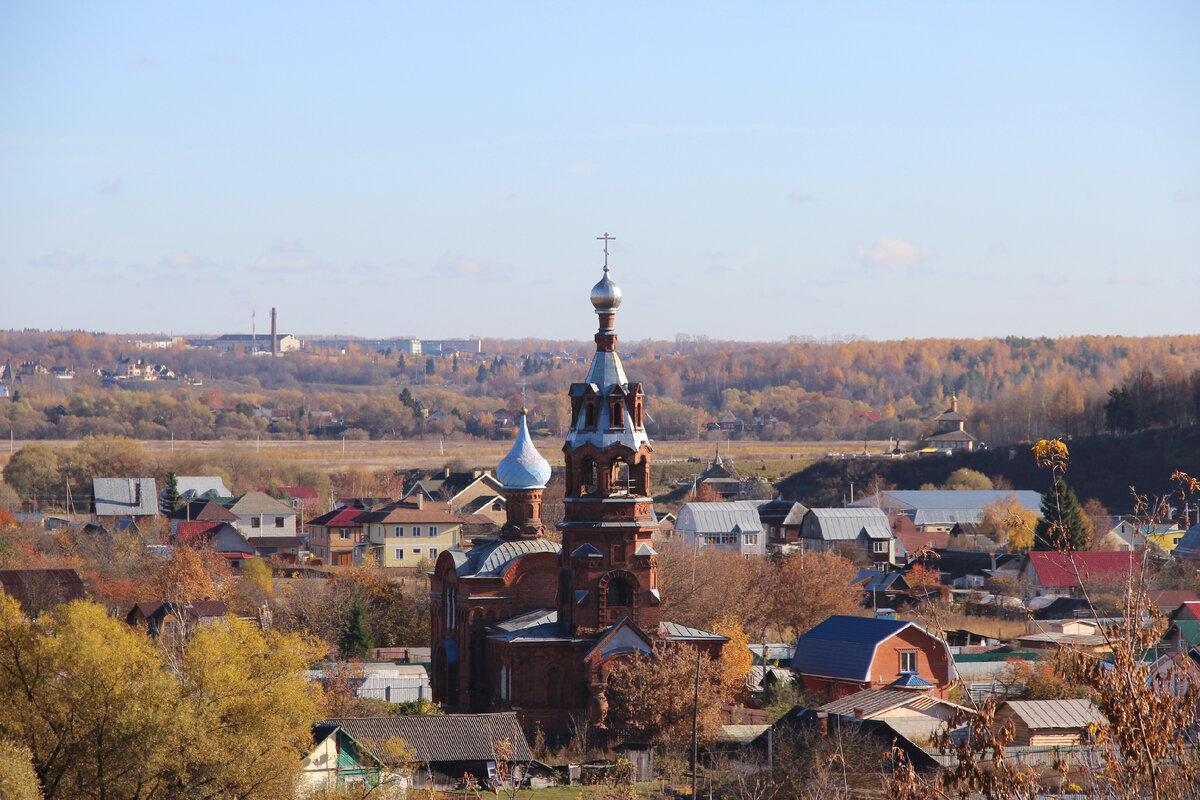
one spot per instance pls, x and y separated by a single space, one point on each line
844 655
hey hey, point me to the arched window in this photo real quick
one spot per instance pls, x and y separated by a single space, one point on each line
587 479
589 413
620 592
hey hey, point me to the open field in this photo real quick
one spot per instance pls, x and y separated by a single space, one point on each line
770 458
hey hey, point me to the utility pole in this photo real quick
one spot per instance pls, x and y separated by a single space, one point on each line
695 717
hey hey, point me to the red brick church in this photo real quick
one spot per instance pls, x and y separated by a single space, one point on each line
521 623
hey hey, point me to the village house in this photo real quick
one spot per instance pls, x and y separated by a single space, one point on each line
1052 572
204 510
1049 723
844 655
259 514
192 487
38 590
446 745
219 537
333 535
159 617
866 530
338 760
733 526
402 533
781 519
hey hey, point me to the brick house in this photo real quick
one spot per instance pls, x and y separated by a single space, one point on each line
844 655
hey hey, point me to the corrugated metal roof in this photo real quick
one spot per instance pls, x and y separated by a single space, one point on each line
912 499
848 524
1056 713
491 560
719 517
673 631
1189 545
197 485
444 737
869 702
125 497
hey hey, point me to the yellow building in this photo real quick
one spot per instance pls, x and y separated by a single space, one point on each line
402 533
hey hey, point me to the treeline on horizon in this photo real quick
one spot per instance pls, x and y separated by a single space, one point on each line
1012 389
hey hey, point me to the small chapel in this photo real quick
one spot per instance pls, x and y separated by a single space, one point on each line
522 623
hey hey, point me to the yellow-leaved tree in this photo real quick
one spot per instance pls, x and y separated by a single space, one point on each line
104 713
1007 521
736 658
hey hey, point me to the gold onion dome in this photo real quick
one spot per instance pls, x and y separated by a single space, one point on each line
523 467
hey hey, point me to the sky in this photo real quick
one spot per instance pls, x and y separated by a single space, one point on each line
887 170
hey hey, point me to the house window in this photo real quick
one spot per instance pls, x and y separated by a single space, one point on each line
433 552
908 660
344 533
880 546
279 522
399 553
750 539
399 530
256 522
433 530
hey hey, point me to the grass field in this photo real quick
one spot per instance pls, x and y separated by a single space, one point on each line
769 459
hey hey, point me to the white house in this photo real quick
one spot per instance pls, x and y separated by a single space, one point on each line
733 526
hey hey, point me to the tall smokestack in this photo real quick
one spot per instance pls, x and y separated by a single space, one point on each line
274 335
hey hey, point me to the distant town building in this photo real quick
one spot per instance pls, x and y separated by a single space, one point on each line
950 432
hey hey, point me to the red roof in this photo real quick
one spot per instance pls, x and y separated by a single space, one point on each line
345 517
1056 571
1190 610
196 529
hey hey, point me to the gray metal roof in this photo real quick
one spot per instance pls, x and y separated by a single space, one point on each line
1056 713
719 517
1189 545
491 560
125 497
674 632
911 500
849 524
606 375
197 485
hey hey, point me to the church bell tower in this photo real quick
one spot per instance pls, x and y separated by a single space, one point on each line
608 566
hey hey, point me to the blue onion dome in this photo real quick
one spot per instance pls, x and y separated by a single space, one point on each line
523 467
606 295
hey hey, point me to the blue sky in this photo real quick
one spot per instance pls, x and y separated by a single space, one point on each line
888 170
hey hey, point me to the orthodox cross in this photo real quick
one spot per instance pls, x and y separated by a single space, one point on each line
606 239
523 384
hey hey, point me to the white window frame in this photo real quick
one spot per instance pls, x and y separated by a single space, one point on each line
433 552
433 531
906 656
879 546
399 553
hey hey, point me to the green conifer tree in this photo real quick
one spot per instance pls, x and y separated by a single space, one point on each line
1063 525
171 497
356 641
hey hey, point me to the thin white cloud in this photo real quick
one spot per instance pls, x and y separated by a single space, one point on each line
60 260
182 261
287 246
475 268
285 262
999 250
892 252
109 186
585 169
1127 280
1187 197
800 197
